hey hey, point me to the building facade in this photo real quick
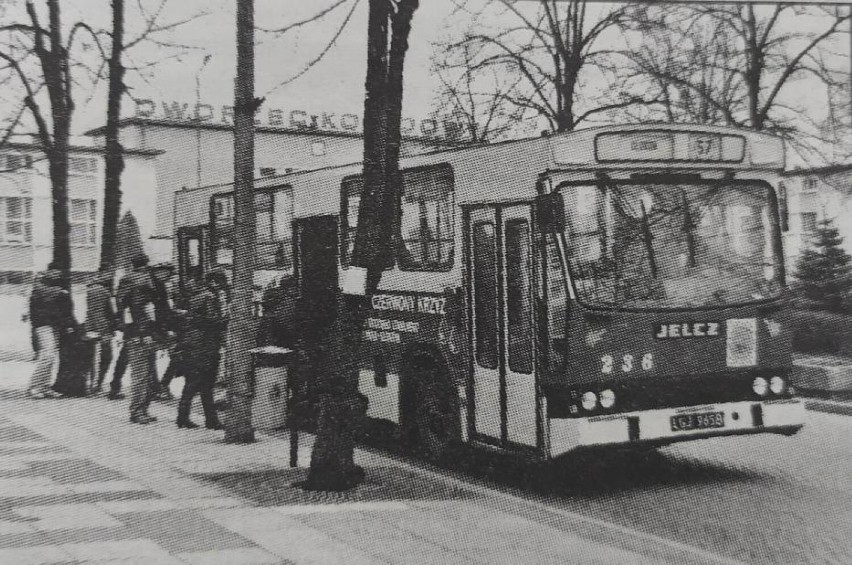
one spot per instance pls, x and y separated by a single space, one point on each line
201 153
808 196
26 206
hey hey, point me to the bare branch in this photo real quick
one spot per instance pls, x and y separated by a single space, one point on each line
322 53
306 21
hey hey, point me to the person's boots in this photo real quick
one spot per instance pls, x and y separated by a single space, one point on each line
183 420
211 417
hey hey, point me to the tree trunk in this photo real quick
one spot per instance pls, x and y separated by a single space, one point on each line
241 328
114 158
342 407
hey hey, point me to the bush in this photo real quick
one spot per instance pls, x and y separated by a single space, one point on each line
824 270
822 332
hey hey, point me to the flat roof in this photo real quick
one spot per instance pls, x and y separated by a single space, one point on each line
100 150
826 170
307 131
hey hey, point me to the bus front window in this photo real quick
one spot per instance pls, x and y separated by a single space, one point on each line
647 245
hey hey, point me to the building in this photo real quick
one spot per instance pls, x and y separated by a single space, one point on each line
200 153
26 211
808 196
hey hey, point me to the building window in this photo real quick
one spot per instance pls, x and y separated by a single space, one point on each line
84 231
425 226
809 185
318 148
267 171
16 220
82 165
10 162
809 222
783 208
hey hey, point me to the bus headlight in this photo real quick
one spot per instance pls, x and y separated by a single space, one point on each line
607 398
776 385
589 401
759 386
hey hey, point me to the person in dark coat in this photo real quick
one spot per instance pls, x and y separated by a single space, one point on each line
167 318
51 316
278 323
200 343
136 304
101 319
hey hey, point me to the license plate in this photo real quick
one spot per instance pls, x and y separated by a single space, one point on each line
698 421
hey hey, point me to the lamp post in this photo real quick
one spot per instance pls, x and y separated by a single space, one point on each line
198 119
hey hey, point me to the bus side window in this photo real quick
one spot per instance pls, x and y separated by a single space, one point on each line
426 220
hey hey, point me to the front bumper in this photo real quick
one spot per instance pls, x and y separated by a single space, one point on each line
653 427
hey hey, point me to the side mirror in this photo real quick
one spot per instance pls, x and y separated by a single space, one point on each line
550 213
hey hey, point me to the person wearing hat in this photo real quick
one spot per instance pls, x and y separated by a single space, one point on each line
100 318
136 299
200 342
51 314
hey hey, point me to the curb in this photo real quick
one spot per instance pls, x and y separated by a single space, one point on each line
829 406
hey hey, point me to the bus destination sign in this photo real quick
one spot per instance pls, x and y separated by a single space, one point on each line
662 146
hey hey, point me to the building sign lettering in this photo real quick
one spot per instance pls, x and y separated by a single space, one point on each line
174 111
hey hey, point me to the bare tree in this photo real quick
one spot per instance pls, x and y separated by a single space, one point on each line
241 330
47 49
473 102
152 28
738 64
550 47
389 25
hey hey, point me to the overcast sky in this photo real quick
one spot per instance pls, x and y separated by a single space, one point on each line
335 85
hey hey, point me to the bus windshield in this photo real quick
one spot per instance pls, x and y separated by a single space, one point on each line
663 245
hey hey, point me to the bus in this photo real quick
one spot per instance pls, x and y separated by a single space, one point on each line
613 287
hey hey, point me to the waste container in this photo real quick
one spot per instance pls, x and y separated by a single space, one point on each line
270 369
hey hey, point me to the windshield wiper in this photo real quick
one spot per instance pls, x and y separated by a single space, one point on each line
689 229
648 237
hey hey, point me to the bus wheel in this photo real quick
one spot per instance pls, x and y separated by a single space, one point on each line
435 415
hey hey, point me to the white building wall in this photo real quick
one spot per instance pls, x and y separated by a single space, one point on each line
825 196
138 187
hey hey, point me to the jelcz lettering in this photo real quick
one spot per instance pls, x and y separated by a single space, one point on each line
687 330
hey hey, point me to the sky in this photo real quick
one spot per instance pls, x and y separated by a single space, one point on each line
335 85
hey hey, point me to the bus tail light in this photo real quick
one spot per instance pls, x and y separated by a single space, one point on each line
607 398
589 401
777 385
760 386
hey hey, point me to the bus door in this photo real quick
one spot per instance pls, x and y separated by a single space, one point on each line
192 253
500 270
316 267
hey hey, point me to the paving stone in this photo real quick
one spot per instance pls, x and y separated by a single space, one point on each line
237 556
112 550
67 516
11 433
107 486
75 471
118 507
36 555
182 531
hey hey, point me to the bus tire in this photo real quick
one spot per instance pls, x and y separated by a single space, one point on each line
435 411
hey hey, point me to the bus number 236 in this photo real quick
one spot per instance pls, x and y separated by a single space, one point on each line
627 363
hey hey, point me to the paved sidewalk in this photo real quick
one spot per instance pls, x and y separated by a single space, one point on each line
79 484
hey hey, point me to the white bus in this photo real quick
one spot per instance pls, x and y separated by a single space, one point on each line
617 286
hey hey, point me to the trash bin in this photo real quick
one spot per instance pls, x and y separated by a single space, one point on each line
270 368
